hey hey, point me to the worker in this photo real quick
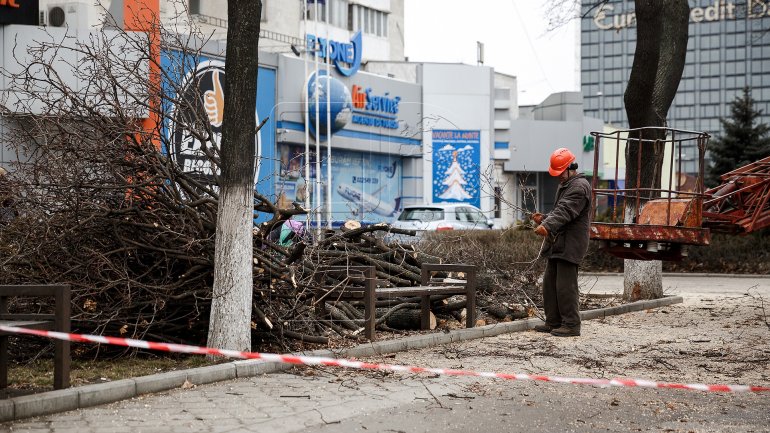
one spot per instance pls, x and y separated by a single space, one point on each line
566 232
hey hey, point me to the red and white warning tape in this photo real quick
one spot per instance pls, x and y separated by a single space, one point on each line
346 363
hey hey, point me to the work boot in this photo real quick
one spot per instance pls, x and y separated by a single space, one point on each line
564 331
544 328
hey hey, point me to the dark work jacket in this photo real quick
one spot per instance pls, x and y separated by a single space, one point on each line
569 222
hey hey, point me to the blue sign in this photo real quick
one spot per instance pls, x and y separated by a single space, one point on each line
193 90
346 56
456 166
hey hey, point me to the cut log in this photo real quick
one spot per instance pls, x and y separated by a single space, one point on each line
350 225
498 311
511 311
408 319
518 311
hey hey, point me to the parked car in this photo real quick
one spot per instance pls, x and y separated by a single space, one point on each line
439 217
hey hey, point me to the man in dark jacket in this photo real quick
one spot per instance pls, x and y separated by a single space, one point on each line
566 229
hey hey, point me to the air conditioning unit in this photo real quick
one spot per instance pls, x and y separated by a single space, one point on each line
72 15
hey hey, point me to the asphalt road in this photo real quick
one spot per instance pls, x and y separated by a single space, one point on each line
719 335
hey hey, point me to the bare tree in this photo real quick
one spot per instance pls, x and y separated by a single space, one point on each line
661 49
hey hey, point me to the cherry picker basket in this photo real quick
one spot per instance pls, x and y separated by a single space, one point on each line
661 212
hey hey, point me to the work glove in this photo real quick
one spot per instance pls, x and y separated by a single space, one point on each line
542 231
537 217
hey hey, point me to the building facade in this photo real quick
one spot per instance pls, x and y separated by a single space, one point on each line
381 22
401 133
728 49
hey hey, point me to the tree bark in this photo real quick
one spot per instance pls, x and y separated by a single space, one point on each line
661 50
230 323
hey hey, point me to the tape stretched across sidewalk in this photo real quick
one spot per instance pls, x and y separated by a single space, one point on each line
347 363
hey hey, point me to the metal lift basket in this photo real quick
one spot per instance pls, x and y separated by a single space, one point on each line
657 221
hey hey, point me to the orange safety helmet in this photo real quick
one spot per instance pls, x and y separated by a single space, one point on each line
561 158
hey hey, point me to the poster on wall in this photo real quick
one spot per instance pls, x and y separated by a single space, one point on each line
456 166
366 187
194 91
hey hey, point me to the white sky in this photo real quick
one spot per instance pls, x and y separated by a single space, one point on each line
515 37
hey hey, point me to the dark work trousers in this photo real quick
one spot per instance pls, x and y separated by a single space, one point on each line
560 294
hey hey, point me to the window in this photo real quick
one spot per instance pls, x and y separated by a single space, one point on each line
461 214
367 20
338 13
425 214
498 202
263 17
384 25
195 7
476 216
612 48
311 11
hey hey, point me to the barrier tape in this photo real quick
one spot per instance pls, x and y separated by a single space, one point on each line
346 363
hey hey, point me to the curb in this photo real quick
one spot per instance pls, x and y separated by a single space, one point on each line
102 393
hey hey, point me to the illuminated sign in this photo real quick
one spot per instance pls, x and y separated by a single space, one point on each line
605 19
19 12
374 110
345 56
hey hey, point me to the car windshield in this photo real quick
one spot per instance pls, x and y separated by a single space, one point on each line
426 214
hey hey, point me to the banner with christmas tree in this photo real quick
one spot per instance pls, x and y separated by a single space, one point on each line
456 166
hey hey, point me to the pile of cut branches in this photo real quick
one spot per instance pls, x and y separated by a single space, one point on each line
132 233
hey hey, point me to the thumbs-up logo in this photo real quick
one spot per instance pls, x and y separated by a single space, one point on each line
214 101
203 88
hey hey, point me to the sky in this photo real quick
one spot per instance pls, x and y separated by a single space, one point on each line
515 36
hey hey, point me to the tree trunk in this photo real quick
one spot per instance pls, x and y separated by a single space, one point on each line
230 322
642 279
661 49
